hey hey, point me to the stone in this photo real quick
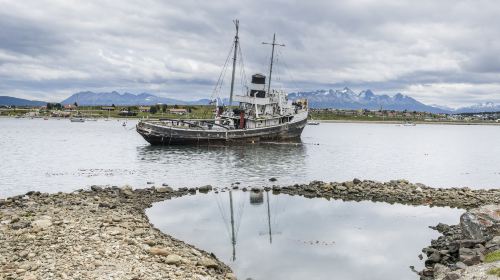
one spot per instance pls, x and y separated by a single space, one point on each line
173 259
20 225
164 190
159 251
209 263
205 189
348 184
460 265
341 188
356 181
472 260
114 231
442 227
127 191
481 223
272 179
452 276
41 224
428 272
440 271
469 243
435 257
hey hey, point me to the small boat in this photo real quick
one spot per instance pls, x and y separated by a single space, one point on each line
91 119
409 124
312 122
124 124
77 119
46 118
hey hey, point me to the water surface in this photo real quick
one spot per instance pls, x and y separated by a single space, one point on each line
300 238
57 155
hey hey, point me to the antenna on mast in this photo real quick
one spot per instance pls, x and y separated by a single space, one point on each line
272 58
236 39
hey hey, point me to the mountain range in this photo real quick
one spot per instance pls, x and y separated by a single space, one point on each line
338 99
88 98
366 99
14 101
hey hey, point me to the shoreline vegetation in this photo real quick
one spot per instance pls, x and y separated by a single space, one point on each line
104 231
205 112
395 122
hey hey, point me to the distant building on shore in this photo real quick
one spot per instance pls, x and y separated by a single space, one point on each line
178 111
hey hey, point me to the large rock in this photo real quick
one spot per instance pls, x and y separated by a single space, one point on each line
173 259
481 223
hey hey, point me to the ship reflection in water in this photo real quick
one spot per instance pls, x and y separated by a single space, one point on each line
266 236
220 165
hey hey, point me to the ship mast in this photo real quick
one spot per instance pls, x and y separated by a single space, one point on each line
233 237
272 58
269 219
236 23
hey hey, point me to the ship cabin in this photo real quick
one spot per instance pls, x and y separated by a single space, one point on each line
261 108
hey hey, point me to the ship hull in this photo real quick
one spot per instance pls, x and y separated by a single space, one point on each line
164 135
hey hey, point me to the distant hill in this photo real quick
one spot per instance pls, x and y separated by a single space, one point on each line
14 101
348 99
88 98
479 108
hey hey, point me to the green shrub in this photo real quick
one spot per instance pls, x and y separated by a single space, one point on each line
493 256
494 271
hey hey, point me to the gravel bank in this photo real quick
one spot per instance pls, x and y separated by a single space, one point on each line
95 234
396 191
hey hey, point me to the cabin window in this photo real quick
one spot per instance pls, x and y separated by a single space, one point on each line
258 93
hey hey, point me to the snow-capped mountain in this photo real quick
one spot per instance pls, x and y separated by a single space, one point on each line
366 99
479 108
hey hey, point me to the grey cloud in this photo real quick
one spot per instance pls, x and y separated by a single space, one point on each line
50 48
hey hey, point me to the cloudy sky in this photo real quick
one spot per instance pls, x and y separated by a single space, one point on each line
440 52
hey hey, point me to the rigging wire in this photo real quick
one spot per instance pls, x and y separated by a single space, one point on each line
224 217
278 68
289 73
243 75
220 80
239 216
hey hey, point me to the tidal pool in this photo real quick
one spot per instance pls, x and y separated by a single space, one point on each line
266 236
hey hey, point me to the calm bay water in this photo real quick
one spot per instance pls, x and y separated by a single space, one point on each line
57 155
299 238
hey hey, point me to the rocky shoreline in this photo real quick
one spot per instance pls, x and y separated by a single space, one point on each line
89 234
102 233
